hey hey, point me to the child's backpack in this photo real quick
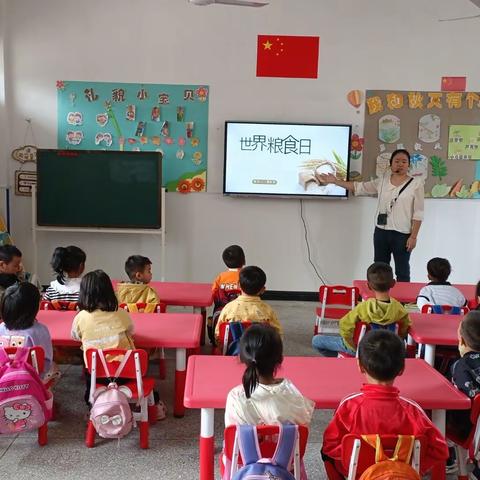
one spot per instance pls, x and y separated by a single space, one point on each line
110 414
222 297
257 468
25 403
397 467
236 330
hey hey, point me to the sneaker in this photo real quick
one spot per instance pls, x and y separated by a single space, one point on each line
161 410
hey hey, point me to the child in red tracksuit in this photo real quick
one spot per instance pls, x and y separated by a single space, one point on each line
379 408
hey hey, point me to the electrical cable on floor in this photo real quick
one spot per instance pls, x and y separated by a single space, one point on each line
308 245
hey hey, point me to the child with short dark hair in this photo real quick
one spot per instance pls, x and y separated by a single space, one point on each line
381 310
249 306
262 398
466 373
379 408
439 291
68 263
139 271
18 310
6 280
10 259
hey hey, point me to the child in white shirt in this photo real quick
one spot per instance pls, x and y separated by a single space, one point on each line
439 291
262 398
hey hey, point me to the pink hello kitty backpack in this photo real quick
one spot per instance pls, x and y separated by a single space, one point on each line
25 403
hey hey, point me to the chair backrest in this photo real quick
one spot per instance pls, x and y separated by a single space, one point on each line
361 328
474 438
58 305
340 295
225 335
36 357
451 310
224 296
267 436
141 307
129 369
358 455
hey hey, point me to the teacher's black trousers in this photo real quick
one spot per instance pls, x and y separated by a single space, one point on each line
390 242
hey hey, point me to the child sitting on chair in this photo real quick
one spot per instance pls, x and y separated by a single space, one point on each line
379 408
262 398
68 263
466 373
381 310
20 328
11 262
226 286
249 306
138 290
439 291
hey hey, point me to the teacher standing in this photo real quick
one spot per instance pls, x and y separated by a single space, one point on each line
399 211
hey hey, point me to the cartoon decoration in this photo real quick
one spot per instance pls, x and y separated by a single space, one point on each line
354 98
444 147
356 147
16 416
101 115
24 181
27 153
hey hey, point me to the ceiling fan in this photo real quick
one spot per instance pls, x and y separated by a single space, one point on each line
475 2
238 3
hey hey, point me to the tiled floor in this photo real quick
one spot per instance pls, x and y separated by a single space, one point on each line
173 452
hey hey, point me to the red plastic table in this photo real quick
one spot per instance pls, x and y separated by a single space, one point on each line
407 292
432 330
210 378
151 330
196 295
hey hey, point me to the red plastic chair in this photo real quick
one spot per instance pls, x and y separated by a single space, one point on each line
37 360
141 387
268 435
333 300
142 307
469 449
62 305
225 337
447 309
358 455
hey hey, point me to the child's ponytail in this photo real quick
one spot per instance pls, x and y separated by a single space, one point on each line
66 260
261 350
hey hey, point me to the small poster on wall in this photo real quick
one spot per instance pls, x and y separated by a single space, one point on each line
171 119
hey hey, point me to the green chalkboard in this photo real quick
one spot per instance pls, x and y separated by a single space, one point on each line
95 188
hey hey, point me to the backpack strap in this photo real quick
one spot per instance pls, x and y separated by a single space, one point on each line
285 450
101 356
403 448
4 358
248 443
21 355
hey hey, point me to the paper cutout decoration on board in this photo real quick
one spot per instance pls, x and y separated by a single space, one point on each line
355 98
383 164
156 140
130 113
155 115
165 130
27 153
287 56
429 128
101 119
140 131
24 180
104 137
180 114
389 129
74 137
453 84
418 166
464 142
75 118
189 126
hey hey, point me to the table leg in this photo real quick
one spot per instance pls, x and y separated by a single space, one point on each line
162 369
180 374
438 418
203 312
207 443
430 354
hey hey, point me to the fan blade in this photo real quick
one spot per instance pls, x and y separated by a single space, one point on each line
241 3
458 18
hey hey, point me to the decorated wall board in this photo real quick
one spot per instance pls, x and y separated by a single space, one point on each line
441 130
172 119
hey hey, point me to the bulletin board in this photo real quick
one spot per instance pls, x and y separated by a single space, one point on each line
170 119
441 130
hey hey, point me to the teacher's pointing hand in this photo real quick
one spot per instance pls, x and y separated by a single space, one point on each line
327 178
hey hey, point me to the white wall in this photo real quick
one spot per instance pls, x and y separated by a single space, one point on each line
364 44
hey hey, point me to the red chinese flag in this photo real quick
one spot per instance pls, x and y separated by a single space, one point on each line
287 56
454 84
